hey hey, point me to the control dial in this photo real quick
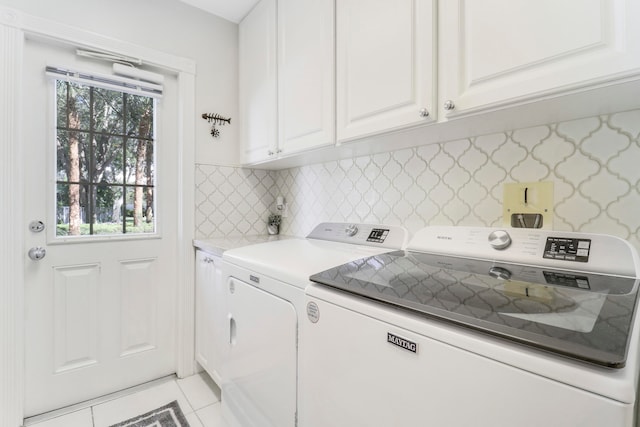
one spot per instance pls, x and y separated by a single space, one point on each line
351 230
500 273
499 239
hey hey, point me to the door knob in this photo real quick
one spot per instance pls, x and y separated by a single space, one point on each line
37 253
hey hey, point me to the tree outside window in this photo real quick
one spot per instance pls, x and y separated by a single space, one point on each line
105 161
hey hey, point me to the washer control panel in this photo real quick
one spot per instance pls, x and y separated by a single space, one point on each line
597 253
567 249
386 236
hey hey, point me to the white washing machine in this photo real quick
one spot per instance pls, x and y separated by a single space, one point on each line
476 327
265 293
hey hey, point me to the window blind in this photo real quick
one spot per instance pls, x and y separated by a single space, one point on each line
105 81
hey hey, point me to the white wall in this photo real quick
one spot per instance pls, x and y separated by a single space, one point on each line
172 27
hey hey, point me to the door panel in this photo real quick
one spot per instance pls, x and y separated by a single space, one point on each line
211 313
500 52
99 314
139 299
305 74
258 83
205 276
259 375
385 65
75 326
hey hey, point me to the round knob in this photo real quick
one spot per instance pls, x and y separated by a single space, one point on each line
449 105
500 273
499 239
36 226
351 230
37 253
278 151
270 153
424 112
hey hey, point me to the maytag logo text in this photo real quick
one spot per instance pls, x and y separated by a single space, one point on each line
402 343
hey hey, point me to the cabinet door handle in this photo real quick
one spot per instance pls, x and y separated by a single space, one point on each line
424 112
449 105
270 153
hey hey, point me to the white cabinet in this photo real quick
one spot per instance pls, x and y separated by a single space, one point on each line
385 65
286 64
210 313
500 63
498 53
305 74
258 84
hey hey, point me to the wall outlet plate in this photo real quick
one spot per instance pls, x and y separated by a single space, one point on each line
528 198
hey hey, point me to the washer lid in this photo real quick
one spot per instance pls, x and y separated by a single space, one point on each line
586 316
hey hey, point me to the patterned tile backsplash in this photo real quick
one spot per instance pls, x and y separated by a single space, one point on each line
232 201
594 164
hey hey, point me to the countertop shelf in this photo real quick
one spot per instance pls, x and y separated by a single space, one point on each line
217 246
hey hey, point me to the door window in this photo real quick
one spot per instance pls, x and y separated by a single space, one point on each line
105 168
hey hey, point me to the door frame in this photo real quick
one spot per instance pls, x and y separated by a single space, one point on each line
15 27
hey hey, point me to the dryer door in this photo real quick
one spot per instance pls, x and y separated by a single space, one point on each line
259 381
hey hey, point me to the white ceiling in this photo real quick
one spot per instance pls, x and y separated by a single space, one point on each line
232 10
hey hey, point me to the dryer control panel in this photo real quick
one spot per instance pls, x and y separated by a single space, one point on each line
380 235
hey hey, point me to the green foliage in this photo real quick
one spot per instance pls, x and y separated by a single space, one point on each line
275 219
106 196
107 138
106 228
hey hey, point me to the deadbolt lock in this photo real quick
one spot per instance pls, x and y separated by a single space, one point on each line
36 226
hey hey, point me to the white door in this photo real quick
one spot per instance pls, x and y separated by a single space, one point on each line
385 65
259 373
258 83
211 313
501 52
305 74
100 311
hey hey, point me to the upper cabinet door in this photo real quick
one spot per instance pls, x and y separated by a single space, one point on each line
496 53
306 74
385 65
258 83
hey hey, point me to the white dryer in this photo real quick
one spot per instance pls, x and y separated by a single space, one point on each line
476 327
265 296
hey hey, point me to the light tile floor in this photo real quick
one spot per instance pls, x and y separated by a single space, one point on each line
198 397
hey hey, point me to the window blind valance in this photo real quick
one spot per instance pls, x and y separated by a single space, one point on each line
105 81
